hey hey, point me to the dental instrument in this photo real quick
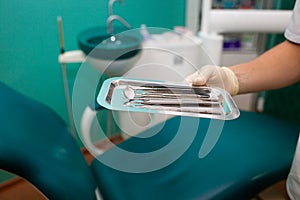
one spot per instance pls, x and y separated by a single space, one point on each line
166 98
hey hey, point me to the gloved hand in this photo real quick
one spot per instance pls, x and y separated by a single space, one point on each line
215 76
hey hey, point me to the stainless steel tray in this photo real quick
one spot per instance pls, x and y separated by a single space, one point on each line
166 98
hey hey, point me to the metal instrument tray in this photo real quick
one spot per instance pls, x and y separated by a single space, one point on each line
134 95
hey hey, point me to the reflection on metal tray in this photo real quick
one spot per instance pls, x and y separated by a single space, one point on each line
166 98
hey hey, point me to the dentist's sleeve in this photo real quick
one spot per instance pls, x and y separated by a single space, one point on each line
292 34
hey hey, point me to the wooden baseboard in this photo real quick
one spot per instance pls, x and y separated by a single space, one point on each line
19 189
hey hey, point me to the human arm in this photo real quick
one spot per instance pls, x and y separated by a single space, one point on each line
276 68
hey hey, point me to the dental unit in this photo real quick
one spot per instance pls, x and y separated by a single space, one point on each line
145 53
174 54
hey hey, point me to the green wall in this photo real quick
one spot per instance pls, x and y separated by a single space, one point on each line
29 38
29 43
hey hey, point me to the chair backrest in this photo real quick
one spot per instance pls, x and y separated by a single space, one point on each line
252 153
36 144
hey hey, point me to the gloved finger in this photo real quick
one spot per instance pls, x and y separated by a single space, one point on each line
196 78
209 72
204 75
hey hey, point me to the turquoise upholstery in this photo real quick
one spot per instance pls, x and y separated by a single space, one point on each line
252 153
37 145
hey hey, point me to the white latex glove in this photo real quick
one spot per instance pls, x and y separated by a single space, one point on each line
215 76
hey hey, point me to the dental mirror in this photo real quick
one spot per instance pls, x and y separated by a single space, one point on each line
129 92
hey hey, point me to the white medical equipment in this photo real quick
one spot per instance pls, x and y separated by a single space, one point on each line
215 22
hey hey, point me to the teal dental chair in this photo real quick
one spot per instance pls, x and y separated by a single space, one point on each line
252 153
36 144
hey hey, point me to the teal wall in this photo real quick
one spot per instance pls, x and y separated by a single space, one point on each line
29 38
29 43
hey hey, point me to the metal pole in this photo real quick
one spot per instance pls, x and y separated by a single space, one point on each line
65 80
